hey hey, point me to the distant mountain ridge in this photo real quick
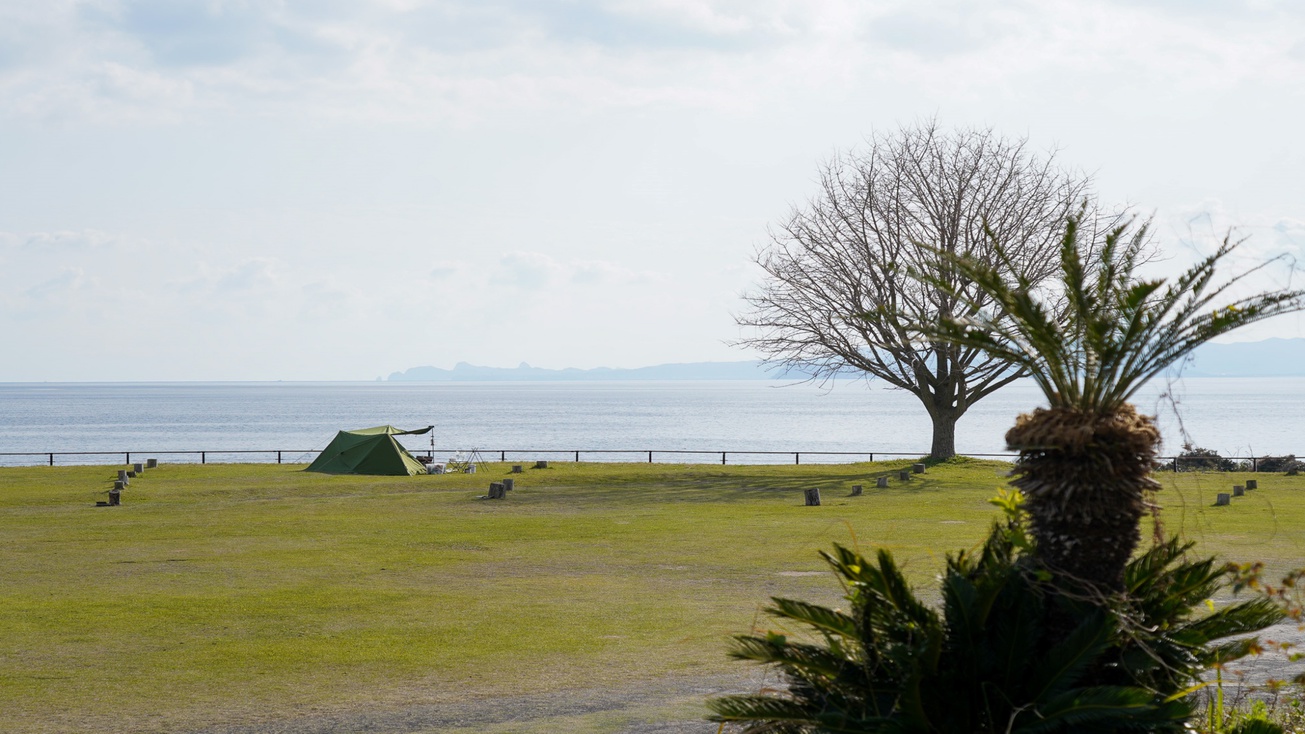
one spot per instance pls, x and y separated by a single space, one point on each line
1268 358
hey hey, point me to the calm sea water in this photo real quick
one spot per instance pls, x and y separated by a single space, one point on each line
1236 416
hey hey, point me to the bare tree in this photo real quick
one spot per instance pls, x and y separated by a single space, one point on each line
838 292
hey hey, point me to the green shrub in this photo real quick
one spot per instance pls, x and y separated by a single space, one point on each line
1195 458
1278 463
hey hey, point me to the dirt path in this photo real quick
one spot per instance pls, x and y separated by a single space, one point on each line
661 707
1273 663
670 706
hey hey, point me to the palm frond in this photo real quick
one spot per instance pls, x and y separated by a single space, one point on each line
1064 665
1103 709
1117 331
816 616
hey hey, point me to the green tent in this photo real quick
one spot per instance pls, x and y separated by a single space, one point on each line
369 451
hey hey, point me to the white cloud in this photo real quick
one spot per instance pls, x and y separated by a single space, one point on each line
535 270
487 170
255 273
464 61
529 270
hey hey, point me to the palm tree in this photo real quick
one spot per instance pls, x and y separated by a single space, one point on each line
1085 460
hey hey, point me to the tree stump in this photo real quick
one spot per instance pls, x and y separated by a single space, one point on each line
917 468
151 463
507 484
1239 490
1222 499
856 490
115 498
516 469
496 491
119 485
122 476
541 464
904 475
1252 484
812 496
882 482
138 468
131 475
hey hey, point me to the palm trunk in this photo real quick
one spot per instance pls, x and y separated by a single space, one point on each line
1085 478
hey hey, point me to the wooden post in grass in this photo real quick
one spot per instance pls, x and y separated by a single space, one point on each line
138 468
516 469
917 468
1252 484
507 484
151 463
115 497
1239 490
496 491
904 475
541 464
881 483
122 476
119 485
1222 499
856 490
812 496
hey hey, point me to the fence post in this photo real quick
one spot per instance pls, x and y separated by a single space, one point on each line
51 459
722 458
649 457
577 457
202 458
278 457
797 458
502 456
872 458
1255 464
128 461
1175 464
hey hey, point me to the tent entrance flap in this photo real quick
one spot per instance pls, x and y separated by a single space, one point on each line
369 451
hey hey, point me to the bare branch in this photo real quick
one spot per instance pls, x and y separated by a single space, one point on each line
838 292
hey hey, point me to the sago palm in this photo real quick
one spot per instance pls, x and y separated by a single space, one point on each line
891 664
1085 460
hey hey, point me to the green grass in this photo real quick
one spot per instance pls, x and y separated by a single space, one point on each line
232 593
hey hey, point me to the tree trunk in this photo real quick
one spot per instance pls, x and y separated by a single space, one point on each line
944 435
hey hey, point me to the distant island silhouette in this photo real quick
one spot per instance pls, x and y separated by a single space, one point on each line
1267 358
462 371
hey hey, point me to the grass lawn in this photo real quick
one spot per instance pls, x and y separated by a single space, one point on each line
237 594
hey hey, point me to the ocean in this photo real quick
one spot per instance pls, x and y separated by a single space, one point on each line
1235 416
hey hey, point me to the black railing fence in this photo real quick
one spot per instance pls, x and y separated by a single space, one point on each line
665 456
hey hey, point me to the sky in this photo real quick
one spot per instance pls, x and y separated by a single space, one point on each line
336 190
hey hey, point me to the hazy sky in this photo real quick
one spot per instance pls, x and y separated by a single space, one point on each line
217 189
